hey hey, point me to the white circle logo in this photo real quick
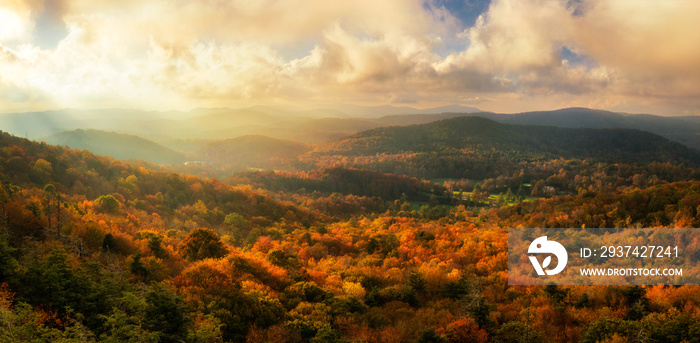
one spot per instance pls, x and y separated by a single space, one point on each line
542 246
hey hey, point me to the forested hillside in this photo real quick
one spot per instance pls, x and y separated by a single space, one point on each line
341 180
94 249
246 152
474 147
358 171
120 146
683 129
245 133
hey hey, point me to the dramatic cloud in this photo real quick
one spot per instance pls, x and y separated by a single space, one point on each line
518 55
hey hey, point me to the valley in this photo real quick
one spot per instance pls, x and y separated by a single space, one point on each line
255 238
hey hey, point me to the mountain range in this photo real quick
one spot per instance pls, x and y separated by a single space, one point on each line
527 141
120 146
268 137
316 125
219 123
683 129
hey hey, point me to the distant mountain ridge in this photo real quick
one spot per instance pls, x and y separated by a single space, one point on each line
199 123
458 145
117 145
187 131
253 151
685 129
450 136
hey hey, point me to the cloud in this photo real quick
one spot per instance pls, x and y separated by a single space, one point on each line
208 50
656 45
645 37
637 49
518 35
172 53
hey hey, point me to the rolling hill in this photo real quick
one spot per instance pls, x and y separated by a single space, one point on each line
203 123
477 147
684 129
117 145
319 125
463 132
253 151
93 247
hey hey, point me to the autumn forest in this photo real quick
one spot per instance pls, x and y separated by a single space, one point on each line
363 171
397 234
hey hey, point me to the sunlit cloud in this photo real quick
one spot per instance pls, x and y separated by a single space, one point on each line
170 54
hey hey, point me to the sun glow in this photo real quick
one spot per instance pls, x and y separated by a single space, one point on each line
508 57
12 26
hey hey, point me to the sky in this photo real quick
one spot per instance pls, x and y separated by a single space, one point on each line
500 55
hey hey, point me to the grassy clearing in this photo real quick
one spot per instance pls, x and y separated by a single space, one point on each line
491 198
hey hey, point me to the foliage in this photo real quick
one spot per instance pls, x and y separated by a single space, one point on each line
202 243
236 220
108 203
134 253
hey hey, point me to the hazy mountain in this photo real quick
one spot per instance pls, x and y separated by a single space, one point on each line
381 111
45 123
117 145
319 124
450 136
321 113
297 123
317 130
254 151
681 129
571 117
229 118
188 146
413 119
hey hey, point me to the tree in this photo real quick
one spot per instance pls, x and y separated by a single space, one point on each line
509 195
137 267
479 195
8 264
6 192
606 327
430 336
41 171
415 280
207 329
202 243
126 321
156 246
109 243
501 199
21 323
50 191
236 220
537 188
515 332
464 330
53 282
109 204
165 313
